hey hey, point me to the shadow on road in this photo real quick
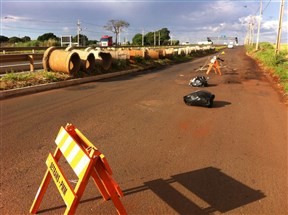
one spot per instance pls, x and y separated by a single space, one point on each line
219 104
220 191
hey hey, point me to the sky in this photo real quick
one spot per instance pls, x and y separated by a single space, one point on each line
187 20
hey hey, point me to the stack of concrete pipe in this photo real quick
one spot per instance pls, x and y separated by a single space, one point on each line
71 60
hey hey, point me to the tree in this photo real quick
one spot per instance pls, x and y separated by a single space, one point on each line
116 26
83 39
26 39
3 39
47 36
14 40
149 39
137 39
164 35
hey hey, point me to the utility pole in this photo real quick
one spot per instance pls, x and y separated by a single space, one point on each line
278 42
143 37
259 24
119 42
78 32
154 38
159 39
252 33
171 39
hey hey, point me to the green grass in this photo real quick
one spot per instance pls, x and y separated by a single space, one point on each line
277 63
17 76
17 80
283 47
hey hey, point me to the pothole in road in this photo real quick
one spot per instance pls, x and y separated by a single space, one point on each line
232 81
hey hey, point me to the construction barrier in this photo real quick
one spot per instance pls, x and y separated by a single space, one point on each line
86 161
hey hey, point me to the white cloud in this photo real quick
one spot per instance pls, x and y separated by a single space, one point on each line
11 18
270 25
66 29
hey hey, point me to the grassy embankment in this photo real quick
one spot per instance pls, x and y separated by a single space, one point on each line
277 65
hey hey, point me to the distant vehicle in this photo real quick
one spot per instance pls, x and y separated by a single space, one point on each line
106 41
230 45
185 43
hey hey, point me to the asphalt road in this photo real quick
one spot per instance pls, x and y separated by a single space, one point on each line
167 157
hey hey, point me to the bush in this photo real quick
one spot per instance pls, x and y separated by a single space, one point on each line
32 43
120 64
139 60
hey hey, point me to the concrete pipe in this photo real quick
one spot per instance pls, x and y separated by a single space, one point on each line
120 54
101 57
137 53
161 53
61 61
153 54
168 53
87 59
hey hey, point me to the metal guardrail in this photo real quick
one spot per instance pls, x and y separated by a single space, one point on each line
17 60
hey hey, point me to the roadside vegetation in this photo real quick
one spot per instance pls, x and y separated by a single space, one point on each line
277 65
13 80
25 79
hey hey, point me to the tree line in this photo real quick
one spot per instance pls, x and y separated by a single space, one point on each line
159 37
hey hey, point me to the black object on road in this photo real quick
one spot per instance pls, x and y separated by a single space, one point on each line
199 98
199 81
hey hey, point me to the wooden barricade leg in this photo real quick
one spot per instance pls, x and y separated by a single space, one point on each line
217 68
43 186
110 188
209 68
100 185
40 193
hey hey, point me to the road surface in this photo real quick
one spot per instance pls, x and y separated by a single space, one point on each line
167 157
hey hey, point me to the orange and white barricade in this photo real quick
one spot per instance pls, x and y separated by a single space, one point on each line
85 160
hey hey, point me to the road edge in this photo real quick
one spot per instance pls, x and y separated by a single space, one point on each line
54 85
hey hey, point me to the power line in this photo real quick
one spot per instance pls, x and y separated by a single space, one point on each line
266 6
34 20
42 29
